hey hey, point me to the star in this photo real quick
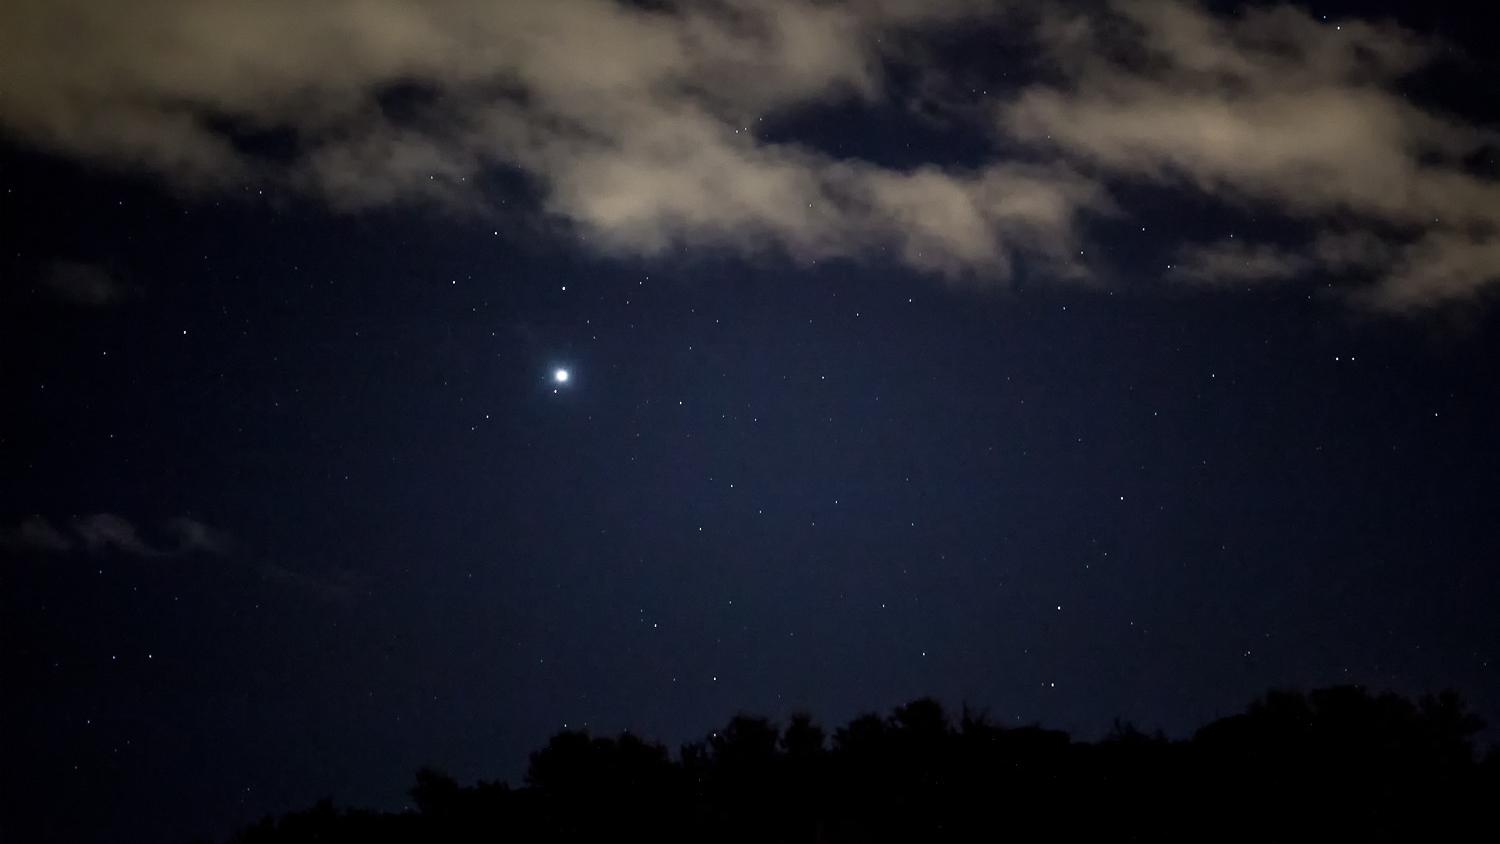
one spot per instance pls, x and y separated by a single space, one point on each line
560 376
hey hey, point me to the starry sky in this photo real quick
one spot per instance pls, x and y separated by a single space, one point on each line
1069 361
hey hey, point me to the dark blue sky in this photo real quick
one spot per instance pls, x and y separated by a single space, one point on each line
292 504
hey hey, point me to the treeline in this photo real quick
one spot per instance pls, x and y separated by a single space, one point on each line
1336 764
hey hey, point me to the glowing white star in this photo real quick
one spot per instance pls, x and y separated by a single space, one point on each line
560 376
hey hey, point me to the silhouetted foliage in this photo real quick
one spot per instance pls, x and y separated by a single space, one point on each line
1334 764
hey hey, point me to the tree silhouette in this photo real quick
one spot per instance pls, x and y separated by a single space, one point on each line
1332 764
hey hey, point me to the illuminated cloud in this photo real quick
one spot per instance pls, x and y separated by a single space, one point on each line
1276 111
638 125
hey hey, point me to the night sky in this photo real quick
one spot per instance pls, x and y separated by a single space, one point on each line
1071 361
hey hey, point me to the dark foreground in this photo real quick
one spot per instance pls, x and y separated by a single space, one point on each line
1334 765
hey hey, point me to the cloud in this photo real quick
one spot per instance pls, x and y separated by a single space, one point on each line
339 586
182 536
35 533
106 531
1275 111
83 284
640 126
194 536
100 532
637 124
1231 262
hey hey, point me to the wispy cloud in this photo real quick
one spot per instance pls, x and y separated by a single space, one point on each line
1230 262
341 586
108 532
88 285
179 537
193 536
35 533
